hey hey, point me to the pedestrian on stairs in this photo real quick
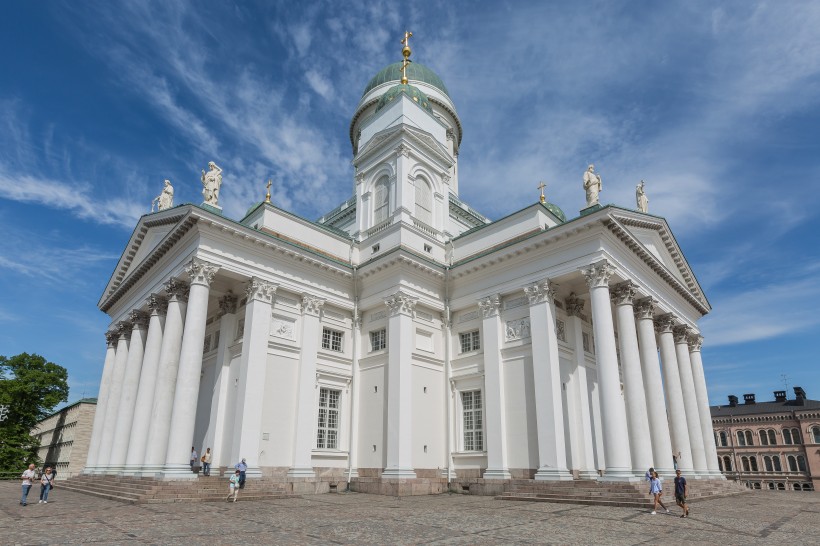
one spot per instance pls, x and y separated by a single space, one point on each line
655 489
234 486
241 467
194 457
681 492
206 462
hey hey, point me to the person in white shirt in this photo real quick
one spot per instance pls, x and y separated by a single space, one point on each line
194 458
28 476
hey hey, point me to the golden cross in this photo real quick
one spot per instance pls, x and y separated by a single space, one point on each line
267 195
541 187
406 54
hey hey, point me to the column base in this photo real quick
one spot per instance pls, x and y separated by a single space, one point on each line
553 474
297 472
178 472
620 475
588 475
497 474
398 473
665 472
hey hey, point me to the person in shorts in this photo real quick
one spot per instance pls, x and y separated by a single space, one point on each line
234 487
657 492
681 492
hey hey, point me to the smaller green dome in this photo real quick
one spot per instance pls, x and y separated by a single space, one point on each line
413 92
555 209
415 71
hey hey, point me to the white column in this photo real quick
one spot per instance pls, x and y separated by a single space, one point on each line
653 386
113 404
549 411
305 436
580 382
353 447
147 384
494 414
695 343
253 366
183 415
613 413
690 401
215 436
402 309
640 443
676 413
102 401
130 386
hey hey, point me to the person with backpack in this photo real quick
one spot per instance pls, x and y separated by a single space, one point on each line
46 484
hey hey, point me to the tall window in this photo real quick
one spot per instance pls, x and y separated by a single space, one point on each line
792 462
331 339
381 195
724 441
472 421
470 341
745 462
753 463
749 441
327 434
378 340
727 463
815 432
767 437
791 436
767 462
776 463
741 438
801 463
424 201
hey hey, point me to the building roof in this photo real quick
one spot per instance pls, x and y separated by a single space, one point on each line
763 407
77 403
411 91
415 72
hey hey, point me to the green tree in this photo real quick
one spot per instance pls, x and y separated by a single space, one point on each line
30 388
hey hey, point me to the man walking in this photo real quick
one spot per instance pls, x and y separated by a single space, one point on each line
241 467
28 476
206 462
681 492
194 458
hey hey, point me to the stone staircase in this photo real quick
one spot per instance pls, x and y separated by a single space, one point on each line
150 490
630 495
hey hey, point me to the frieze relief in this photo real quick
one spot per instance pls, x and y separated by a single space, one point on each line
517 329
560 330
283 328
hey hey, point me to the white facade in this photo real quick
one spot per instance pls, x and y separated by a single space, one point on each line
404 336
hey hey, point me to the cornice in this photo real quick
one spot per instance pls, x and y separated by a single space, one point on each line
401 256
420 139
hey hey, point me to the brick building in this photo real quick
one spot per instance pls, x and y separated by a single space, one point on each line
770 445
65 437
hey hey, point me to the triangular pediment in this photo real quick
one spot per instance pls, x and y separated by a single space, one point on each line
419 138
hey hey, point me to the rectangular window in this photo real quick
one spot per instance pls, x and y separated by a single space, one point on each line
378 340
216 340
470 341
332 340
472 420
327 434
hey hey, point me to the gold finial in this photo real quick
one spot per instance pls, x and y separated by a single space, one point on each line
267 195
406 51
541 187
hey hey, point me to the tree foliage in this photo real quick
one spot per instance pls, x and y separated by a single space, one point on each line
30 387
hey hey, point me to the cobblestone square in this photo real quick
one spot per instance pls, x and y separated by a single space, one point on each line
760 517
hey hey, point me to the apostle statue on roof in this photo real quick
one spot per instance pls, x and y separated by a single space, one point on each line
211 182
641 199
592 185
165 200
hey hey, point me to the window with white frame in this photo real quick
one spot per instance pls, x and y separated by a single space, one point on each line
424 201
327 433
381 195
378 340
331 339
472 421
724 441
791 436
470 341
767 437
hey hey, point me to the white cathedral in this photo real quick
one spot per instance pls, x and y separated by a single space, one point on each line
403 341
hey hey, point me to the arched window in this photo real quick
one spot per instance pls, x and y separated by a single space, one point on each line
792 463
771 485
724 440
749 441
727 463
424 202
815 432
745 462
753 463
781 486
767 462
796 436
776 463
801 463
741 438
720 464
381 201
797 487
787 436
764 438
772 437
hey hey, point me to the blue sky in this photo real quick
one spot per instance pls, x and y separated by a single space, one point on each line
716 105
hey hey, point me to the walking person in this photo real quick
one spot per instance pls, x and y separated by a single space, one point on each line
241 467
681 492
657 491
28 476
194 457
206 462
234 486
46 484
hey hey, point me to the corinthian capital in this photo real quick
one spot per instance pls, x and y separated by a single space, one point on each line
124 329
312 305
490 306
645 308
695 343
157 304
139 319
540 292
201 272
260 290
111 338
177 289
574 305
598 274
681 334
401 304
623 293
227 303
665 323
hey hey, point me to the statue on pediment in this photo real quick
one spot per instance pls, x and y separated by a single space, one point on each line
592 185
165 200
641 198
211 183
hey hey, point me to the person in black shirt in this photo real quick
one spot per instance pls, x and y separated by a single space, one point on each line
681 492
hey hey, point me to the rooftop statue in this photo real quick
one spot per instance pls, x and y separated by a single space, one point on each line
592 185
641 198
211 182
165 200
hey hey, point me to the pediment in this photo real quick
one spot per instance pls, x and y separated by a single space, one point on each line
420 138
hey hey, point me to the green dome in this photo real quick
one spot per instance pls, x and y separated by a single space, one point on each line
415 72
553 208
410 90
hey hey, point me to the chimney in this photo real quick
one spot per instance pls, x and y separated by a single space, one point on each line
779 396
748 398
732 401
799 396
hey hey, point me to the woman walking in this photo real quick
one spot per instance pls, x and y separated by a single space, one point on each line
234 490
655 489
46 483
